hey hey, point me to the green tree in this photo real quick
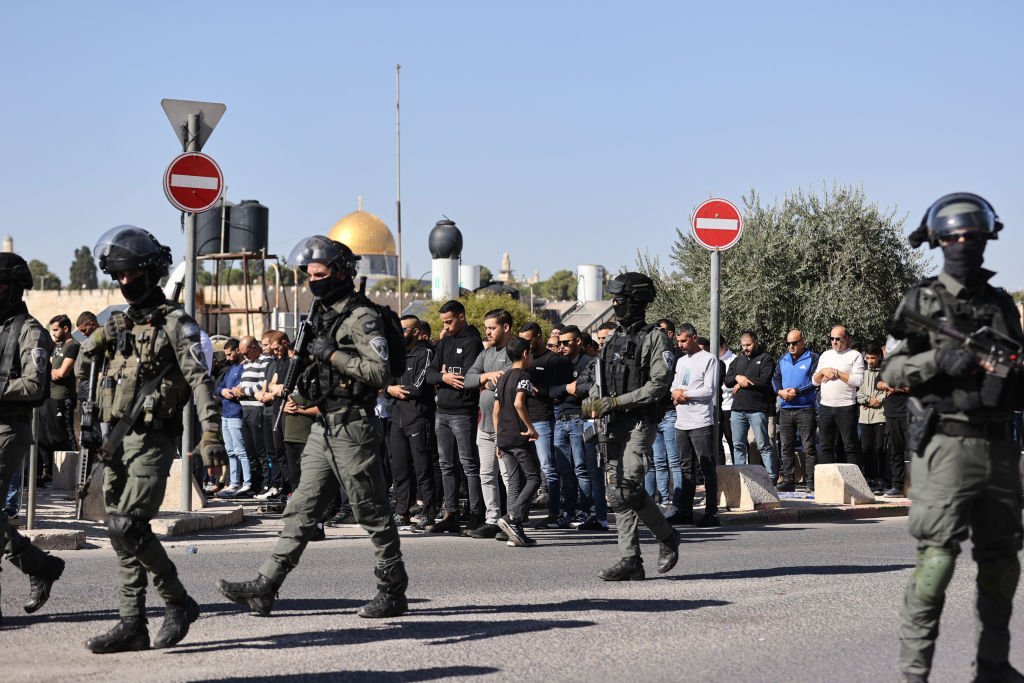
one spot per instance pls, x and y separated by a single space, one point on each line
561 286
810 261
477 305
390 284
486 276
42 278
83 270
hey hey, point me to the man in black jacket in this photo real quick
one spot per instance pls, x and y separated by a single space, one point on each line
409 439
455 423
750 378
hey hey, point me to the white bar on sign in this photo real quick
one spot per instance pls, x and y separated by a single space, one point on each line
718 224
199 182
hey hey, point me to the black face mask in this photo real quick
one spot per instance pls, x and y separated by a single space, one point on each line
628 310
330 289
963 261
10 302
136 290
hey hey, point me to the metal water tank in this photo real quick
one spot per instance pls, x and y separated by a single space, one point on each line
589 283
469 276
208 229
250 226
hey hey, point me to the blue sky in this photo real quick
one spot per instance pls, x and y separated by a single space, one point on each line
564 133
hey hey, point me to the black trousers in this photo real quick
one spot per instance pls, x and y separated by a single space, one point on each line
724 430
293 456
839 425
252 437
896 431
523 468
696 445
790 422
412 466
273 441
872 451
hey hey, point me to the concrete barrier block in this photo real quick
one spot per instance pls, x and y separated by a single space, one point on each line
94 507
57 539
172 494
841 484
65 470
182 523
746 487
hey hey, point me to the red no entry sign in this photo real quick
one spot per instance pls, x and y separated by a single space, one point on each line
717 224
193 182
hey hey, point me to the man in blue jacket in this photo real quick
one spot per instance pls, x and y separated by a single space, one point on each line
793 385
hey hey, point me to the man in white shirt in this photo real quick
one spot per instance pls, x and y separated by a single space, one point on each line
840 373
693 387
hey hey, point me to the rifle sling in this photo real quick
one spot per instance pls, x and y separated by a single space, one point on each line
125 424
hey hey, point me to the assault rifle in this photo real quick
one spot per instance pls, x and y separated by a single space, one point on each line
89 439
303 340
997 353
601 423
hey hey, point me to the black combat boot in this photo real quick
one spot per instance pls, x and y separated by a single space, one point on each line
258 594
130 634
177 619
390 599
627 569
39 586
668 553
987 672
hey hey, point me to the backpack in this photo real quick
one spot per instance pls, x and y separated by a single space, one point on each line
392 332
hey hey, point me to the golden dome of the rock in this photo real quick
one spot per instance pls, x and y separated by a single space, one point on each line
364 234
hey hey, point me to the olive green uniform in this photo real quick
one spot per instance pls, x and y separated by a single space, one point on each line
134 481
965 477
27 384
631 431
343 444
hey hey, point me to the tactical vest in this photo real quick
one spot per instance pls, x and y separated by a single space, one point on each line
980 393
136 355
328 387
10 365
623 364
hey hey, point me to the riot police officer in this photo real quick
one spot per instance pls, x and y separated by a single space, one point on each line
349 366
25 349
965 477
637 363
153 365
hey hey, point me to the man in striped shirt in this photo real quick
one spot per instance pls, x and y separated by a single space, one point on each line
254 367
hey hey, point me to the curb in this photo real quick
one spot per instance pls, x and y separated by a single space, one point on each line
788 515
182 523
56 539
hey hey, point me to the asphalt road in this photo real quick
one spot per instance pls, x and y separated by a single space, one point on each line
812 602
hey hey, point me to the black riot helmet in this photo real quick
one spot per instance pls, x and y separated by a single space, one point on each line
631 294
14 271
126 248
959 212
336 256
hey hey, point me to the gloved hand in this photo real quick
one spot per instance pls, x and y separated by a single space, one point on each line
110 328
599 407
211 447
957 362
322 348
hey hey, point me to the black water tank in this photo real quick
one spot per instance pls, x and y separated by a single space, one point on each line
247 225
445 240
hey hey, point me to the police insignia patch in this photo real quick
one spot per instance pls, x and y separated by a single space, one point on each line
196 351
190 330
380 346
371 325
669 359
40 359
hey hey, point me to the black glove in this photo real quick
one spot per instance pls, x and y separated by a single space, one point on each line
957 362
110 327
322 348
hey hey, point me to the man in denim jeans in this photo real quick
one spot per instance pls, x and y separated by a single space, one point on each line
792 383
570 445
750 379
667 476
231 424
545 368
455 424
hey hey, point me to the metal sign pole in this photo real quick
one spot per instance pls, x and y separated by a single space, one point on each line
33 471
191 145
716 396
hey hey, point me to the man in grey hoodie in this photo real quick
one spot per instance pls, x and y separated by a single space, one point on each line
483 375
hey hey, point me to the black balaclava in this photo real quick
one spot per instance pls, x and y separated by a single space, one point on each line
11 303
630 311
331 289
964 260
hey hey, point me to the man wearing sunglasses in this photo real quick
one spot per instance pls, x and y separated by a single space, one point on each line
794 386
840 373
965 479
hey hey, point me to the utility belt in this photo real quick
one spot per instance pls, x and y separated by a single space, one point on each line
977 430
334 415
563 417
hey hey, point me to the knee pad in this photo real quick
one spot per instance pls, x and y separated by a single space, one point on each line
933 573
128 534
998 578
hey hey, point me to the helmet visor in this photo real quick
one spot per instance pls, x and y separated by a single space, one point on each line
962 216
617 287
127 247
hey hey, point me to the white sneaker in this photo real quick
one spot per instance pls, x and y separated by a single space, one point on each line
270 493
227 492
242 491
668 509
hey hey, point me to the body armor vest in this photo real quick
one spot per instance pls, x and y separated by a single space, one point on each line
980 393
136 355
623 363
328 387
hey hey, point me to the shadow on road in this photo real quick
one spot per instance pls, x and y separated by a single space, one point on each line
433 632
429 674
578 605
807 570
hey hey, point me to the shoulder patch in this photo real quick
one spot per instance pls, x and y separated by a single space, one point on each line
371 325
380 346
669 359
196 351
40 358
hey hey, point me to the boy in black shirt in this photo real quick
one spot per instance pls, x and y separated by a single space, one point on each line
515 440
